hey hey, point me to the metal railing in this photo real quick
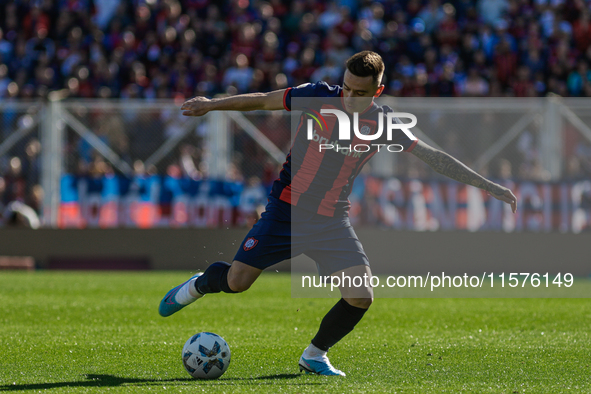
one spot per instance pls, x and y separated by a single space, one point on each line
545 140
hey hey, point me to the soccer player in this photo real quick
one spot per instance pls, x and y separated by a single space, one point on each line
307 211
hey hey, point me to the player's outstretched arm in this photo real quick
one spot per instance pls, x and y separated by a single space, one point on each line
451 167
199 106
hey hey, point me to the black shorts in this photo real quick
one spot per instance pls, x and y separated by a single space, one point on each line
285 231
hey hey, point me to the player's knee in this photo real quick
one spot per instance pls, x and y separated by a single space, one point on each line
241 276
239 284
363 303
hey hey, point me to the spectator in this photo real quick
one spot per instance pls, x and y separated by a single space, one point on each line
523 86
240 75
534 61
14 182
105 10
446 86
431 15
448 31
582 31
331 17
475 85
505 63
17 214
374 15
304 72
492 11
578 79
329 73
4 80
338 51
5 49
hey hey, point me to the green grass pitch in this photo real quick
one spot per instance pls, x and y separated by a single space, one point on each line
96 332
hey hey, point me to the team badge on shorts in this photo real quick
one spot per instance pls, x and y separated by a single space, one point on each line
250 243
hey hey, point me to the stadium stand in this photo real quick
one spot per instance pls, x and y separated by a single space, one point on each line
152 49
173 48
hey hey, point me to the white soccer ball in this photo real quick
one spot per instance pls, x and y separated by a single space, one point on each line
206 356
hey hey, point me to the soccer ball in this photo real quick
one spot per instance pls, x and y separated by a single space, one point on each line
206 356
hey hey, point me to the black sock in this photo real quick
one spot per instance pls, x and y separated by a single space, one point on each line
337 323
214 279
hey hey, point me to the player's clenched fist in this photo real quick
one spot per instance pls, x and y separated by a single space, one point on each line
197 106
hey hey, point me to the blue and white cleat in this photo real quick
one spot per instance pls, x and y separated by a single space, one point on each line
178 298
319 367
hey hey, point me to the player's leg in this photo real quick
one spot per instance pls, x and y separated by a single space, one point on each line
218 277
241 276
338 252
348 311
339 321
257 252
229 278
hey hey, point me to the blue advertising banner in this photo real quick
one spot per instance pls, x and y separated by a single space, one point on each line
417 205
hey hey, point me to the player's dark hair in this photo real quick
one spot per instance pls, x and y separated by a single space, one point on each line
366 64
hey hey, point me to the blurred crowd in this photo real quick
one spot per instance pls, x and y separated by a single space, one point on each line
21 194
181 48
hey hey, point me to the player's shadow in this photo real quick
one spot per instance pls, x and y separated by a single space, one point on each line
114 381
280 376
92 381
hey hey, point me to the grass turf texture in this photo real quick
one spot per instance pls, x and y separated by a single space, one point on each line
96 331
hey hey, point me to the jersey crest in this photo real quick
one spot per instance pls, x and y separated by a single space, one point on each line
250 243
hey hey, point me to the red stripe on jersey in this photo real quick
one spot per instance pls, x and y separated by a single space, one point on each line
286 158
327 207
311 163
288 196
351 166
284 97
412 146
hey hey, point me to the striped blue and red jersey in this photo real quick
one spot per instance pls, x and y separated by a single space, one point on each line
320 180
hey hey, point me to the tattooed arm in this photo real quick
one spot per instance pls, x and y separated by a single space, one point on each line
451 167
